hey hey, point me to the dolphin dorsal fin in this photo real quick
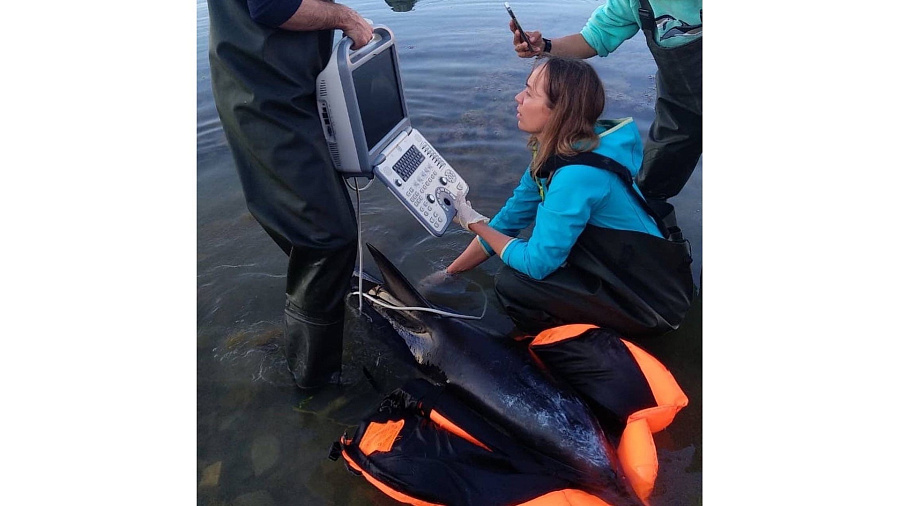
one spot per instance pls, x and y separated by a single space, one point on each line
395 282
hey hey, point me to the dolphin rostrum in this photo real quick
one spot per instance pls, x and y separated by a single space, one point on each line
497 376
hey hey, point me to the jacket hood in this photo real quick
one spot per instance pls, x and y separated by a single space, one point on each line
621 141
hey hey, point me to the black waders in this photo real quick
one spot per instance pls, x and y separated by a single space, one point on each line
637 284
264 87
675 140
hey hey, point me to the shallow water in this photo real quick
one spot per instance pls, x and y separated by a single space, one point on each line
255 445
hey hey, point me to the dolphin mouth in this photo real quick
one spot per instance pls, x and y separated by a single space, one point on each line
401 317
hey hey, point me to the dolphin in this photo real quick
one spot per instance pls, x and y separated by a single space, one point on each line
499 378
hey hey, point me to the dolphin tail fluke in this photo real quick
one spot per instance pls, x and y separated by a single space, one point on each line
395 282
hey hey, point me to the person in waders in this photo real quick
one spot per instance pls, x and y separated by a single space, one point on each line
674 33
264 58
598 254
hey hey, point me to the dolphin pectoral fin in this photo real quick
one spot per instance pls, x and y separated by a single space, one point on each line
395 283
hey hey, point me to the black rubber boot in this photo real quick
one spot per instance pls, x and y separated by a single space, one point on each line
313 348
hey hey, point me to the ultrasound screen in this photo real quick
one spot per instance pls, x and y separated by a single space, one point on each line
378 95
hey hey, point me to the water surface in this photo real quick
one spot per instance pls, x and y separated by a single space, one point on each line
255 446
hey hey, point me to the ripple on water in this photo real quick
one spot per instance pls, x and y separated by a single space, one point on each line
255 353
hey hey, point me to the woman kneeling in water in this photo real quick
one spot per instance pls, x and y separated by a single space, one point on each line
596 254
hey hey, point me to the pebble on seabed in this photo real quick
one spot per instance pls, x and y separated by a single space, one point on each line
211 474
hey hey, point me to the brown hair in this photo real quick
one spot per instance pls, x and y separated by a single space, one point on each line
576 98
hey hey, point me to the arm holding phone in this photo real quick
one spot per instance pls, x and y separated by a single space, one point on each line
573 46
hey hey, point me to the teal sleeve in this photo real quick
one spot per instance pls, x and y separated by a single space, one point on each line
485 246
610 25
520 210
517 213
575 193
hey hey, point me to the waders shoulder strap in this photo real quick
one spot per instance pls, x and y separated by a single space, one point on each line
599 161
648 23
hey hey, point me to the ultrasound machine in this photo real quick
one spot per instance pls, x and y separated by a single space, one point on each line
367 127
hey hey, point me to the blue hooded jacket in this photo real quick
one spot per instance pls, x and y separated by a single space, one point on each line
579 196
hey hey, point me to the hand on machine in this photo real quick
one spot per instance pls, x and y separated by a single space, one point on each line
465 214
357 28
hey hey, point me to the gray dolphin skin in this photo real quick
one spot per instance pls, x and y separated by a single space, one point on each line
497 376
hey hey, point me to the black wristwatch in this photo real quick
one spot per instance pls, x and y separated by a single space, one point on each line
547 45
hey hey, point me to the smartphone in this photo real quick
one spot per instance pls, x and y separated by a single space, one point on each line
518 26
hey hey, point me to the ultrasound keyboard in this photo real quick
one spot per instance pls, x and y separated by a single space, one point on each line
408 163
423 181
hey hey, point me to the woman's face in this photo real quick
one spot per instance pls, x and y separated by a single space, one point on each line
532 111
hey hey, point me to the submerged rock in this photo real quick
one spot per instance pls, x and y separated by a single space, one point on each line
264 453
257 498
210 475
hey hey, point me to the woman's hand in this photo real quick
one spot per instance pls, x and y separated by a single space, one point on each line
472 256
435 279
465 215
